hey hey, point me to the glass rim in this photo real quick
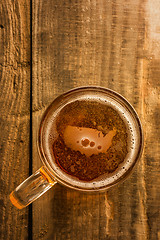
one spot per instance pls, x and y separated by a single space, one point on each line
128 107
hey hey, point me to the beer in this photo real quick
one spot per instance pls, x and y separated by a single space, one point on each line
92 139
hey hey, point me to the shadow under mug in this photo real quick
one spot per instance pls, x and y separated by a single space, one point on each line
48 175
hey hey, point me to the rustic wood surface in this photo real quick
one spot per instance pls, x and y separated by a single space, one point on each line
111 43
14 112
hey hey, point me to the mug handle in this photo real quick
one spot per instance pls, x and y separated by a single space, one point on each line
32 188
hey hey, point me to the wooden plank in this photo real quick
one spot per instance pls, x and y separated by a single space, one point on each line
14 113
152 119
98 43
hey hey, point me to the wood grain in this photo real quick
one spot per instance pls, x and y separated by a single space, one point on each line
152 119
114 44
14 113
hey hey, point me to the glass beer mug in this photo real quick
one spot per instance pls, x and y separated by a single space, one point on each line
90 143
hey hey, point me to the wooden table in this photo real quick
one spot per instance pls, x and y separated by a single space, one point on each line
46 48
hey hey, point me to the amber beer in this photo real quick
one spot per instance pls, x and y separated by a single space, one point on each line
92 139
